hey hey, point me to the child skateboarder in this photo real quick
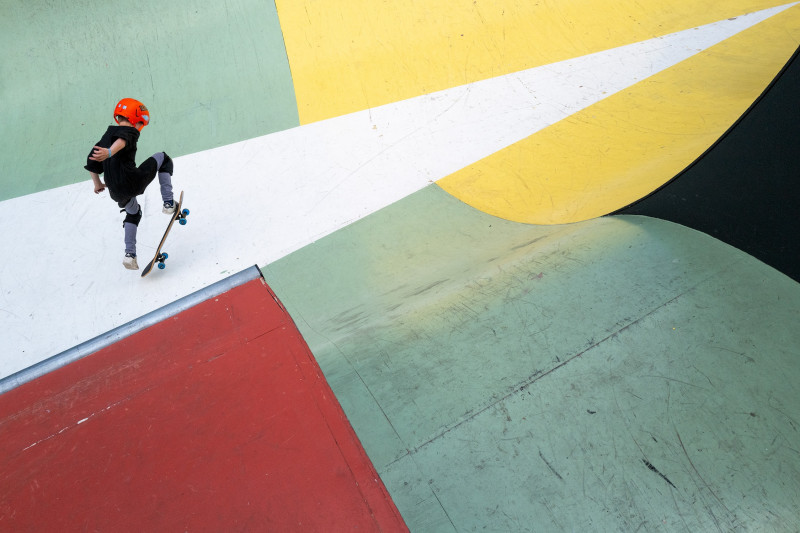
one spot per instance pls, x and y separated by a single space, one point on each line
114 156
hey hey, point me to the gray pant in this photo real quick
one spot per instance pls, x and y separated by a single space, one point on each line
132 208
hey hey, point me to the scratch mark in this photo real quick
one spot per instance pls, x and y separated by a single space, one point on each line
81 421
150 72
553 470
678 381
46 438
654 469
698 473
792 421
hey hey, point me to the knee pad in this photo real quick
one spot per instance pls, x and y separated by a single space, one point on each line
133 219
167 165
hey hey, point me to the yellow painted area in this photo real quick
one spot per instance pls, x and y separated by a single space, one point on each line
349 55
624 147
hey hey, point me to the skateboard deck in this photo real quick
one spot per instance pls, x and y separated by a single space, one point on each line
160 257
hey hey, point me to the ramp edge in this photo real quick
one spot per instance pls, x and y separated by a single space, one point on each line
126 330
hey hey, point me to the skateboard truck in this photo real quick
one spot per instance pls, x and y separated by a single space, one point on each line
160 259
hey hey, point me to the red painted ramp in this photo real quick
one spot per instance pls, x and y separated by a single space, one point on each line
217 419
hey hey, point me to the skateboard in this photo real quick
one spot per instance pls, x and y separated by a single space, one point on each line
180 215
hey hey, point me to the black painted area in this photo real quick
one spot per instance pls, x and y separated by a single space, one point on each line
745 189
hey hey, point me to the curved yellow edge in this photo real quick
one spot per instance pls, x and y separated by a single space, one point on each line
626 146
350 55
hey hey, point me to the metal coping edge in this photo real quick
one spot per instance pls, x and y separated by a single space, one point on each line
126 330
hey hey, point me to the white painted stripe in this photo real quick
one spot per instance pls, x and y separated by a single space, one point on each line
258 200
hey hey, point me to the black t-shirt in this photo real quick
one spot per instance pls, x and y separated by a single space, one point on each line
119 170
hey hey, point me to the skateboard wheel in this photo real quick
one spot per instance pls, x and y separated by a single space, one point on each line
162 266
185 212
164 255
182 222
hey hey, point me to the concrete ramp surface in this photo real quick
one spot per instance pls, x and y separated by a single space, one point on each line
527 378
216 419
435 191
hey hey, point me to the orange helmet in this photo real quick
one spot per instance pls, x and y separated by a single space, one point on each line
135 111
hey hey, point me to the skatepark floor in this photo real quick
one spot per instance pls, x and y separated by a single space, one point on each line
620 374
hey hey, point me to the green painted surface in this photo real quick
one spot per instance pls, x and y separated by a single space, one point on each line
515 377
211 73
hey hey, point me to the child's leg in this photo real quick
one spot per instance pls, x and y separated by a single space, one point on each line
164 169
133 214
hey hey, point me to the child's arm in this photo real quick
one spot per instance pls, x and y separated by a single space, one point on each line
101 154
99 186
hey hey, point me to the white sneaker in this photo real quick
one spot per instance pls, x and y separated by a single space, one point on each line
169 207
130 262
